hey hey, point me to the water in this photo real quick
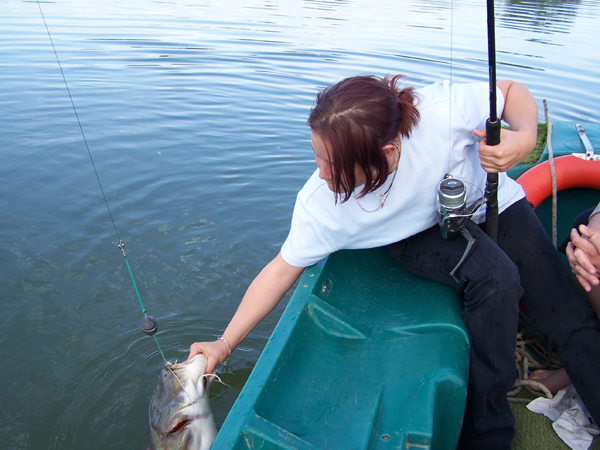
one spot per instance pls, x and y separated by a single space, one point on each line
195 115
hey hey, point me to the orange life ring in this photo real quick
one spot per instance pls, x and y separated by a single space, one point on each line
571 172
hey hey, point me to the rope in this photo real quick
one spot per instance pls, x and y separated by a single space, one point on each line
529 351
553 176
531 354
120 242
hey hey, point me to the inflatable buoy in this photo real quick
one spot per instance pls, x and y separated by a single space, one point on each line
571 172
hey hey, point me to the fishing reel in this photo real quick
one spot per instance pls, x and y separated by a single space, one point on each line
453 214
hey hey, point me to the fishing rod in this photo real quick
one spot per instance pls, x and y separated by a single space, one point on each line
149 324
493 128
451 205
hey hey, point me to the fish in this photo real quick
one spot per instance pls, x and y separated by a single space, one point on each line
179 414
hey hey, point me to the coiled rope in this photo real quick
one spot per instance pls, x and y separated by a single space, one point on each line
531 354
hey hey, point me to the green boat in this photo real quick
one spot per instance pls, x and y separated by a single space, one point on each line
368 355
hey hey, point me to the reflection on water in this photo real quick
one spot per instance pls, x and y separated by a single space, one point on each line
195 114
542 16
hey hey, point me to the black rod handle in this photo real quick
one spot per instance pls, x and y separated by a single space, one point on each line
491 187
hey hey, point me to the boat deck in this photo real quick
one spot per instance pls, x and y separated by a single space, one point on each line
394 349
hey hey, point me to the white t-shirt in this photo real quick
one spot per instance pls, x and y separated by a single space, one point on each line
321 227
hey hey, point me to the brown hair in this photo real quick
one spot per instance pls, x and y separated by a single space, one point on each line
355 118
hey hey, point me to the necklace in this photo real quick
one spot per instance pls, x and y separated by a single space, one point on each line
384 196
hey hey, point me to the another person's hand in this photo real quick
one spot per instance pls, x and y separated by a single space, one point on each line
216 352
583 253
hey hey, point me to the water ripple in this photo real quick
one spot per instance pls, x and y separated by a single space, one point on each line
195 115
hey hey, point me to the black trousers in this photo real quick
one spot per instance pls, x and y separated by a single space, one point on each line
523 266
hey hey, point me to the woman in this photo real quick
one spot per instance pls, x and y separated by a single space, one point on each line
380 152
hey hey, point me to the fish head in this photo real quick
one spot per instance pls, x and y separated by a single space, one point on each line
180 414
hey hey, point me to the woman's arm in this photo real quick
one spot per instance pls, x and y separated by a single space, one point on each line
262 296
520 112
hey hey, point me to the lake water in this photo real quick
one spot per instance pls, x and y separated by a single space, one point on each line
195 116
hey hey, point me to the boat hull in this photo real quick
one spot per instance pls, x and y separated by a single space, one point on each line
368 355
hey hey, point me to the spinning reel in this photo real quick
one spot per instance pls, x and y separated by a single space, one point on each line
453 214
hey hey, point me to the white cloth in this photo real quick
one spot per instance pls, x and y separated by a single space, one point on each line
569 416
441 143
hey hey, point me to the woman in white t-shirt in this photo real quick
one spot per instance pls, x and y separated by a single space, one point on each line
380 151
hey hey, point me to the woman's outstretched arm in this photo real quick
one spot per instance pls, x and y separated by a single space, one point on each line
263 294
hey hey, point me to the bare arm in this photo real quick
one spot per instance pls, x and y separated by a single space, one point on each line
520 112
262 296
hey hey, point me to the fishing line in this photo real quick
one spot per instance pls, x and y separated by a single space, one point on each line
451 74
149 324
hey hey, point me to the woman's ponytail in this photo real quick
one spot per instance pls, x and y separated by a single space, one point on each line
407 105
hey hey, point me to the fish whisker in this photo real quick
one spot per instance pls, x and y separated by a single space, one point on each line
183 388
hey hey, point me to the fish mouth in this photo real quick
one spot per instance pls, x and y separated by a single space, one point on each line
179 426
179 409
183 417
180 365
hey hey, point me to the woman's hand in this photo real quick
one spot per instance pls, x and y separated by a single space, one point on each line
216 352
520 112
513 147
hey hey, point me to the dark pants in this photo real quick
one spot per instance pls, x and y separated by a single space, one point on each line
524 266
